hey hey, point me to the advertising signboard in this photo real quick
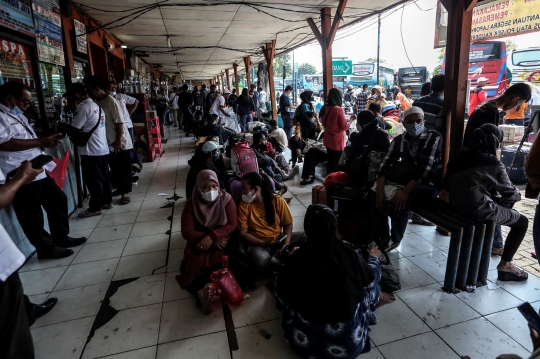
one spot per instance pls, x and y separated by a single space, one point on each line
17 15
48 26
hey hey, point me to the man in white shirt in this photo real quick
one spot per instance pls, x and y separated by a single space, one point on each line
15 336
118 138
277 136
18 143
95 155
173 98
219 105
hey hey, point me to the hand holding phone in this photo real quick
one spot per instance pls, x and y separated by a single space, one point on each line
530 315
282 239
27 172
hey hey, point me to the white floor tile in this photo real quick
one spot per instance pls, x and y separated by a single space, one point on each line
374 353
130 329
79 224
91 252
297 210
147 228
412 244
197 348
35 264
146 244
528 291
298 224
111 233
154 215
260 307
63 340
435 238
145 353
177 241
143 291
117 219
155 203
41 281
433 263
479 339
427 345
513 324
181 319
175 258
410 275
173 290
139 265
436 307
252 344
74 304
124 208
488 301
80 275
396 321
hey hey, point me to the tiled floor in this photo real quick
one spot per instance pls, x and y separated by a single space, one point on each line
157 319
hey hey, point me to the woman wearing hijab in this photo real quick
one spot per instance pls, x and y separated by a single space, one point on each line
369 138
329 292
305 115
208 220
480 189
335 124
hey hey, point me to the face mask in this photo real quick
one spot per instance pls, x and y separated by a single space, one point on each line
216 156
113 94
210 196
248 198
16 110
414 129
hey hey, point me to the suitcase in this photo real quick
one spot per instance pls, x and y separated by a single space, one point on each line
318 194
517 173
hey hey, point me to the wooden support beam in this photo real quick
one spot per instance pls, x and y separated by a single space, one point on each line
470 4
315 30
228 79
269 53
247 64
335 24
235 68
326 48
456 74
222 83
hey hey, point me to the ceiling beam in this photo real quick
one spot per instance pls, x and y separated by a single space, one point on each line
335 24
315 30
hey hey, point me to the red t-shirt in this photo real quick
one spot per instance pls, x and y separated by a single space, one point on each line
477 96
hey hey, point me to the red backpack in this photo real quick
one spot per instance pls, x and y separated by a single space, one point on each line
243 159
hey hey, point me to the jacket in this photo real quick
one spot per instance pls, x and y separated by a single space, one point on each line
474 183
335 124
244 107
215 130
262 159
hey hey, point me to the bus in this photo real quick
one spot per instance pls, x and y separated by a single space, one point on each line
411 79
365 73
488 59
315 83
525 65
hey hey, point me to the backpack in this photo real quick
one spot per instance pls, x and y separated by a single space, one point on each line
243 159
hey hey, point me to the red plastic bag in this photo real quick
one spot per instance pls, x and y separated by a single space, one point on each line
225 281
336 179
58 174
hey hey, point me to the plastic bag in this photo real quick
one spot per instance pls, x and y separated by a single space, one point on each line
336 179
58 174
225 281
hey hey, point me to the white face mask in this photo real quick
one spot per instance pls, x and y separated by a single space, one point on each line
210 196
248 198
113 94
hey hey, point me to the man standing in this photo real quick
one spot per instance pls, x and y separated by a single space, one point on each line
219 105
426 89
173 99
118 138
478 95
433 104
203 94
362 99
210 98
185 103
162 97
488 112
196 96
285 107
255 98
95 155
19 143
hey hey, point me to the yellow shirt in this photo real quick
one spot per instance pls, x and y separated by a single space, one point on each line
515 114
251 217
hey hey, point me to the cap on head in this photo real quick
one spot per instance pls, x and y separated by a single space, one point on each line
378 88
226 91
210 146
482 79
413 110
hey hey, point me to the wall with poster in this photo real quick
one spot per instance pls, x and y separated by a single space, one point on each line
17 16
16 63
48 24
505 18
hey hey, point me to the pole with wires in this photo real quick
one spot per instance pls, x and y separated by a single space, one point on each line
378 51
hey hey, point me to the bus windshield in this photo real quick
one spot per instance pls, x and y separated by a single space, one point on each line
526 58
485 52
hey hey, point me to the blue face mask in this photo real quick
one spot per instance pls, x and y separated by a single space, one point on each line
216 156
414 129
16 110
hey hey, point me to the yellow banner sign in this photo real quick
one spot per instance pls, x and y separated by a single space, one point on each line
504 18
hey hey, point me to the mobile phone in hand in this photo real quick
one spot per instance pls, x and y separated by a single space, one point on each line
282 239
530 315
40 161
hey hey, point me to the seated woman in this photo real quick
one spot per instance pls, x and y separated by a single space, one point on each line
480 189
208 220
296 144
265 223
329 292
265 162
306 116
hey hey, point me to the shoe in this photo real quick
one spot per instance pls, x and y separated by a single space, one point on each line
107 206
416 219
71 242
519 276
87 214
134 179
39 310
391 246
55 253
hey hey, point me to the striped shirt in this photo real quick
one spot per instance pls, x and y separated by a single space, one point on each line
361 101
427 158
432 105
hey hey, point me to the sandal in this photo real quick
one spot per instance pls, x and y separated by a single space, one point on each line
512 276
310 181
125 200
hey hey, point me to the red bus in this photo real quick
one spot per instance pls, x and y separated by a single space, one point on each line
487 59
